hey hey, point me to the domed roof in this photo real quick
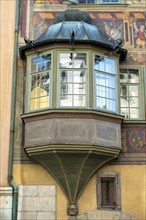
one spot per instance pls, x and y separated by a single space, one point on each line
82 32
71 26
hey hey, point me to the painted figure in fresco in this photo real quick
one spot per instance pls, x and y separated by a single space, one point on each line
112 31
40 26
140 33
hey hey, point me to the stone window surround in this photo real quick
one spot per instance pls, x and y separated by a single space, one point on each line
115 175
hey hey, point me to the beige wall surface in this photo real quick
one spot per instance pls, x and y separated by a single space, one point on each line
133 187
7 27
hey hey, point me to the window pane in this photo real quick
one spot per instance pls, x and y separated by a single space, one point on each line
133 76
98 65
39 103
111 105
101 103
73 88
100 79
123 77
109 65
125 112
129 91
105 83
40 82
110 93
134 113
110 81
100 91
41 63
72 60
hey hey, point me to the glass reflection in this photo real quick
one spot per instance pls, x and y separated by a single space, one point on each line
41 63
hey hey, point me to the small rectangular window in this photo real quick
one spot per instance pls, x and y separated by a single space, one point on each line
108 191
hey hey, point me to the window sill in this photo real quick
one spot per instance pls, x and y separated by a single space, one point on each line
138 121
84 113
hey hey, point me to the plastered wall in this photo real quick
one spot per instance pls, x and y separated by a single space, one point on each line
7 24
133 181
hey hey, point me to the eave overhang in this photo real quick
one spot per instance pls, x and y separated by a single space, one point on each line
24 49
74 27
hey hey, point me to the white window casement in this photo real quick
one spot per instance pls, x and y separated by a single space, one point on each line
40 71
130 93
72 83
106 84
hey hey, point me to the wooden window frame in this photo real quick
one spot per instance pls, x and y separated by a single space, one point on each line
117 190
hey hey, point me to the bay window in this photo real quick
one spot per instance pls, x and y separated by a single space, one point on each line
66 79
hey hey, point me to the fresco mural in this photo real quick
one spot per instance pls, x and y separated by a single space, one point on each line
134 140
140 35
111 23
130 26
135 59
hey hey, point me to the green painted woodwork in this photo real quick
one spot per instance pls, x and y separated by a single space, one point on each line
72 166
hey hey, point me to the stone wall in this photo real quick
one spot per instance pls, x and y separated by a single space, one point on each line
37 202
5 203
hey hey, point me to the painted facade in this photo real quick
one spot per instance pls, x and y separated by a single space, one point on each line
38 194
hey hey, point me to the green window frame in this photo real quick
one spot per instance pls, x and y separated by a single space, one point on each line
106 85
130 93
39 83
72 79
